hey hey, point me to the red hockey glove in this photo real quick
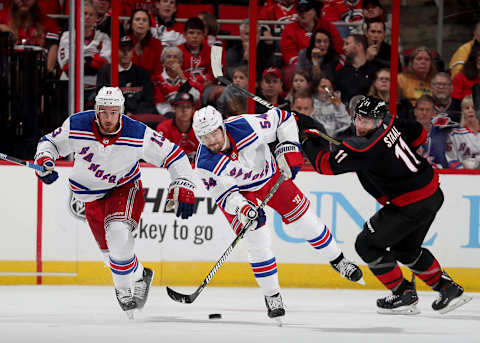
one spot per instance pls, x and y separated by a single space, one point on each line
181 197
49 175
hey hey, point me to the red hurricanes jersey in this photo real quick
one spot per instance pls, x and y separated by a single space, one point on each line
185 140
197 67
165 89
348 10
276 11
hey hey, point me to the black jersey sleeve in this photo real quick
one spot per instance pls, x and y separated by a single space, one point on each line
413 132
339 160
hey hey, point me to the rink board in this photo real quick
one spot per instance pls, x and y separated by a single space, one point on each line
183 251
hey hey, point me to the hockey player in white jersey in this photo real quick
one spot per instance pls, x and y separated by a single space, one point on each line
106 176
235 164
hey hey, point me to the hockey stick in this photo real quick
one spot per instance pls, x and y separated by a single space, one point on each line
190 298
22 162
216 59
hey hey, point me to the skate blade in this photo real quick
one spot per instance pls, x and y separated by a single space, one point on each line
455 303
404 310
279 321
140 307
130 314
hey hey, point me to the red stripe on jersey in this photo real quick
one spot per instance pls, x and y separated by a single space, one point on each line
417 195
420 139
374 142
324 166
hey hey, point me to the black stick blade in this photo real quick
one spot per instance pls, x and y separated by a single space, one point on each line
181 298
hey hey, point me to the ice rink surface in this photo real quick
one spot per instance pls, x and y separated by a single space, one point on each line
74 314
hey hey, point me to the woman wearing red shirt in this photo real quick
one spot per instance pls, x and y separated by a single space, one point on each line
148 49
468 76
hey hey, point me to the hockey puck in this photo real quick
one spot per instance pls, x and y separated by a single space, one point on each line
214 316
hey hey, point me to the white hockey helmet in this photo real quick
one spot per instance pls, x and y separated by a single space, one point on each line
110 96
206 120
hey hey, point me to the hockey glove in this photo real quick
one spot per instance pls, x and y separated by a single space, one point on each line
49 175
181 198
289 159
248 212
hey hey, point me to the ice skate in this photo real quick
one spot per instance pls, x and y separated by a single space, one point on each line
450 295
126 301
142 287
348 269
399 303
275 308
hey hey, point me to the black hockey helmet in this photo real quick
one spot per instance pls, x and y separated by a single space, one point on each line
371 107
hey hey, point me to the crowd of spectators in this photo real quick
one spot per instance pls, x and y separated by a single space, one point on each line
313 67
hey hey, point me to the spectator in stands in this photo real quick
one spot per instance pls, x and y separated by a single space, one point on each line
342 11
301 83
296 36
373 11
30 27
271 88
378 50
416 79
179 128
172 80
358 73
329 110
134 81
240 78
463 144
380 88
319 57
104 19
196 55
468 75
279 10
442 95
460 56
165 26
147 49
97 51
425 111
238 54
211 28
303 103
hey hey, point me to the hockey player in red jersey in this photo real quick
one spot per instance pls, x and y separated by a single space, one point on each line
237 167
383 155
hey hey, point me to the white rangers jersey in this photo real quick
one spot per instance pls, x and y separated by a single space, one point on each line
102 163
250 164
462 143
100 44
